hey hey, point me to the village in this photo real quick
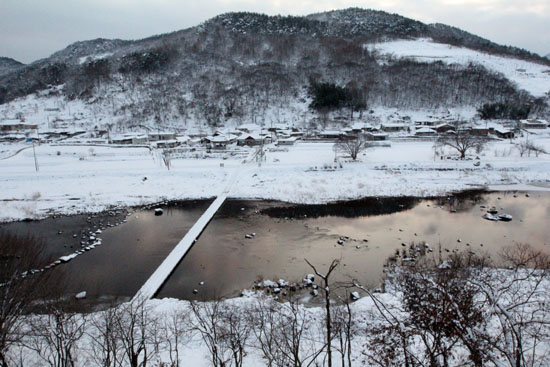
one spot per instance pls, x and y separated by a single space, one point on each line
221 138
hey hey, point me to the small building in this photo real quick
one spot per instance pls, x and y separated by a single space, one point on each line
330 134
250 140
394 127
430 123
218 141
134 139
443 128
296 132
249 128
183 139
277 127
480 131
12 138
16 125
161 135
504 133
425 131
534 124
376 136
166 143
121 140
358 127
288 141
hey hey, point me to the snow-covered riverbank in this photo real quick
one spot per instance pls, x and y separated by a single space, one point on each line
74 179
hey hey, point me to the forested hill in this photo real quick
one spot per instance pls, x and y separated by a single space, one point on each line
245 65
364 24
8 65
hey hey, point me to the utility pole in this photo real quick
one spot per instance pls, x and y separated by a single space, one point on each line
34 152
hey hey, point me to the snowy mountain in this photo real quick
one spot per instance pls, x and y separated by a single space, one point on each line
242 67
8 65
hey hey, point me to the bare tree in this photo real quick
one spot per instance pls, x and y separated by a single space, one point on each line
529 147
236 331
21 284
137 328
343 326
207 324
175 332
351 147
105 346
391 343
438 313
462 139
326 291
442 312
265 318
287 334
517 300
54 336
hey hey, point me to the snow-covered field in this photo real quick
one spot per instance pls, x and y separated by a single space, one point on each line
529 76
74 179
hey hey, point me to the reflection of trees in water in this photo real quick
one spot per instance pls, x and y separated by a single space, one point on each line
348 209
462 201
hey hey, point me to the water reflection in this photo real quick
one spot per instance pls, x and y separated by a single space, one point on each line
227 262
230 262
129 253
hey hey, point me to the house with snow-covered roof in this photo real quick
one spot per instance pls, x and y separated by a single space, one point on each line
443 128
394 127
425 131
249 128
161 135
129 138
16 125
288 141
253 139
503 133
534 124
330 134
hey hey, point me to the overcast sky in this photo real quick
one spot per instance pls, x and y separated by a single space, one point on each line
34 29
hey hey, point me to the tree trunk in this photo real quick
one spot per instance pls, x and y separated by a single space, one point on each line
328 322
3 362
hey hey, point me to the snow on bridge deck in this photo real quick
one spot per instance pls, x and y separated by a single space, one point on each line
157 279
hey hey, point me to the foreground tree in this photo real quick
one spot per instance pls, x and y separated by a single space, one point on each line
20 285
442 312
461 311
55 335
137 329
462 139
224 329
517 301
287 334
326 290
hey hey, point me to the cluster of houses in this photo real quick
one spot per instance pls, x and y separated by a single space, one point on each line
253 134
248 134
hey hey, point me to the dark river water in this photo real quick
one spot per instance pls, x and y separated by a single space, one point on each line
223 262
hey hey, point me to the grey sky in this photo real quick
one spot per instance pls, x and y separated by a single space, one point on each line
33 29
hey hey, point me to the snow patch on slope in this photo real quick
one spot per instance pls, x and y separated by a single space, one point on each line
532 77
85 59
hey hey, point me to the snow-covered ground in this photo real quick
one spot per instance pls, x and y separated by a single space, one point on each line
74 179
174 330
532 77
